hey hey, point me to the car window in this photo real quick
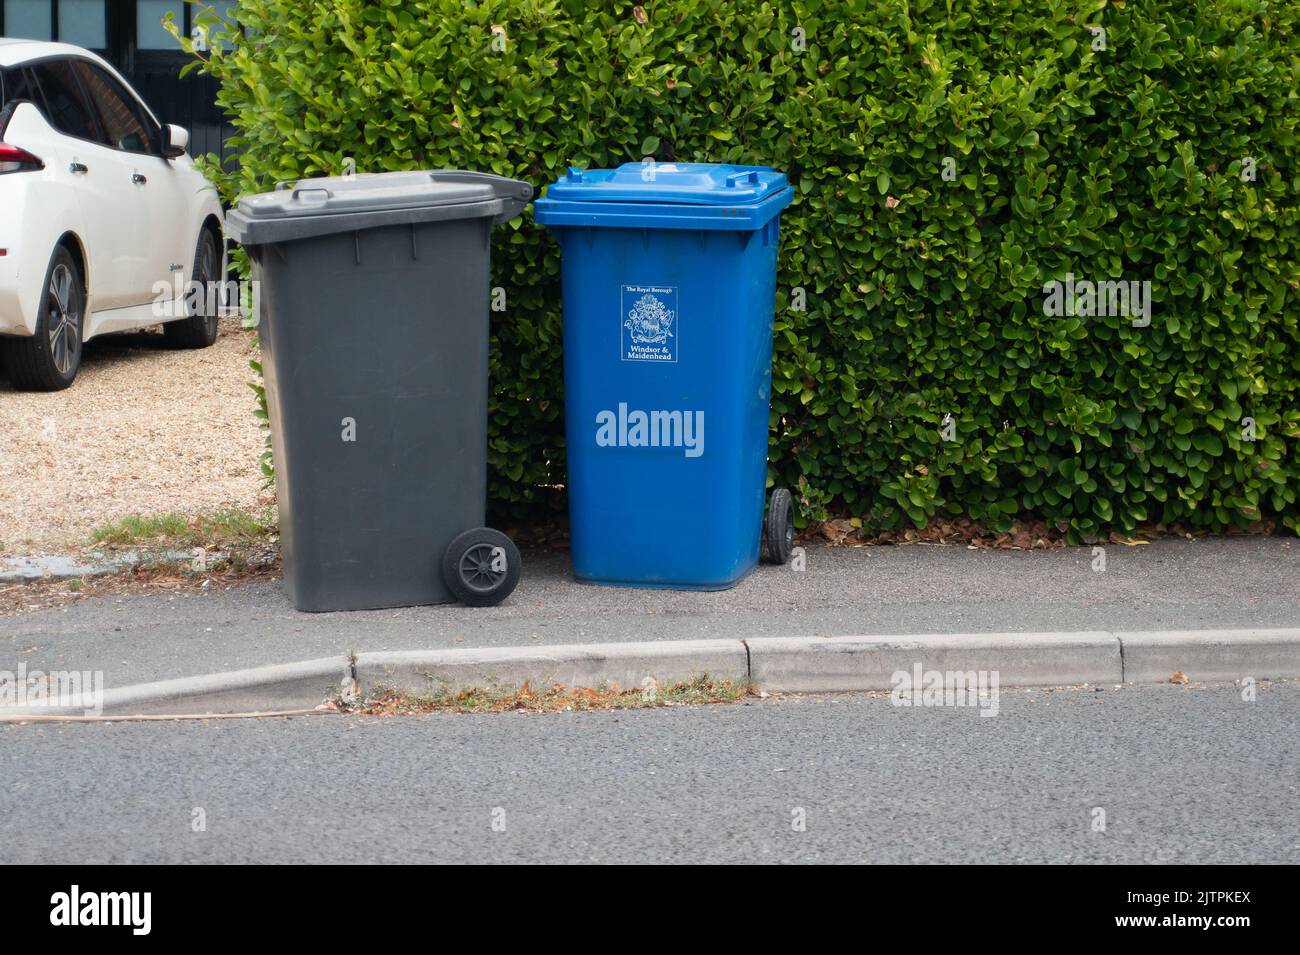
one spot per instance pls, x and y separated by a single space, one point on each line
123 122
65 105
15 85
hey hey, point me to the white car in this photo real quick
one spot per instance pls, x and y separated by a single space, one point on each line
100 209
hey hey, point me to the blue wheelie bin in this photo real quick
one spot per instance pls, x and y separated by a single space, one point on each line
669 273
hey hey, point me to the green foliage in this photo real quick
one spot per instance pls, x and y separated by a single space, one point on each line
925 293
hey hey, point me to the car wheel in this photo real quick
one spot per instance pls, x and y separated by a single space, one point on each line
199 330
48 360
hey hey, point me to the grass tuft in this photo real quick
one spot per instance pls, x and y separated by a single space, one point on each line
697 691
226 527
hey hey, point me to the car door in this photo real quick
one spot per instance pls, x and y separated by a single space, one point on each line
114 225
137 139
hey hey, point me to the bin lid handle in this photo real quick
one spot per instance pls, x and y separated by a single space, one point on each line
320 193
502 186
738 177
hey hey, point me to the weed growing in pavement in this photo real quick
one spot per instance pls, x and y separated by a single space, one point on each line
697 691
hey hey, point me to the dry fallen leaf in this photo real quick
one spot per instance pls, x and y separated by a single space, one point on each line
838 531
1180 678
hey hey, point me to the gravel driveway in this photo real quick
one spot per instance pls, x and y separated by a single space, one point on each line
143 430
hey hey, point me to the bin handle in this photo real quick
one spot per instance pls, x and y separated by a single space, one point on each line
325 193
503 186
738 177
513 194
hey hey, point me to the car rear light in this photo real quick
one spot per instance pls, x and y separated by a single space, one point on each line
13 159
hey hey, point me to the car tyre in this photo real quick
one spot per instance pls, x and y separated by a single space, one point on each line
199 330
49 360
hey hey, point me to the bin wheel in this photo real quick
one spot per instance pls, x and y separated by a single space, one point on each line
481 567
778 526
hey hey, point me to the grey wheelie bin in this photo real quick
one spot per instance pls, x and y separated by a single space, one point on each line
374 332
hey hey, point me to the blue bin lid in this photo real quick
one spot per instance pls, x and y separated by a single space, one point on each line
691 183
688 195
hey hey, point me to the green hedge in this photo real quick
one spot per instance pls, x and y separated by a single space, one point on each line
924 291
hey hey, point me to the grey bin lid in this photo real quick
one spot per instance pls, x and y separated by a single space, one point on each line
309 208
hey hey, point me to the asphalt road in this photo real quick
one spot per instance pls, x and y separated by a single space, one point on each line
1183 774
1171 584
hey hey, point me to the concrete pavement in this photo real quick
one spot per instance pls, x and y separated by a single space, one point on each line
1245 582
